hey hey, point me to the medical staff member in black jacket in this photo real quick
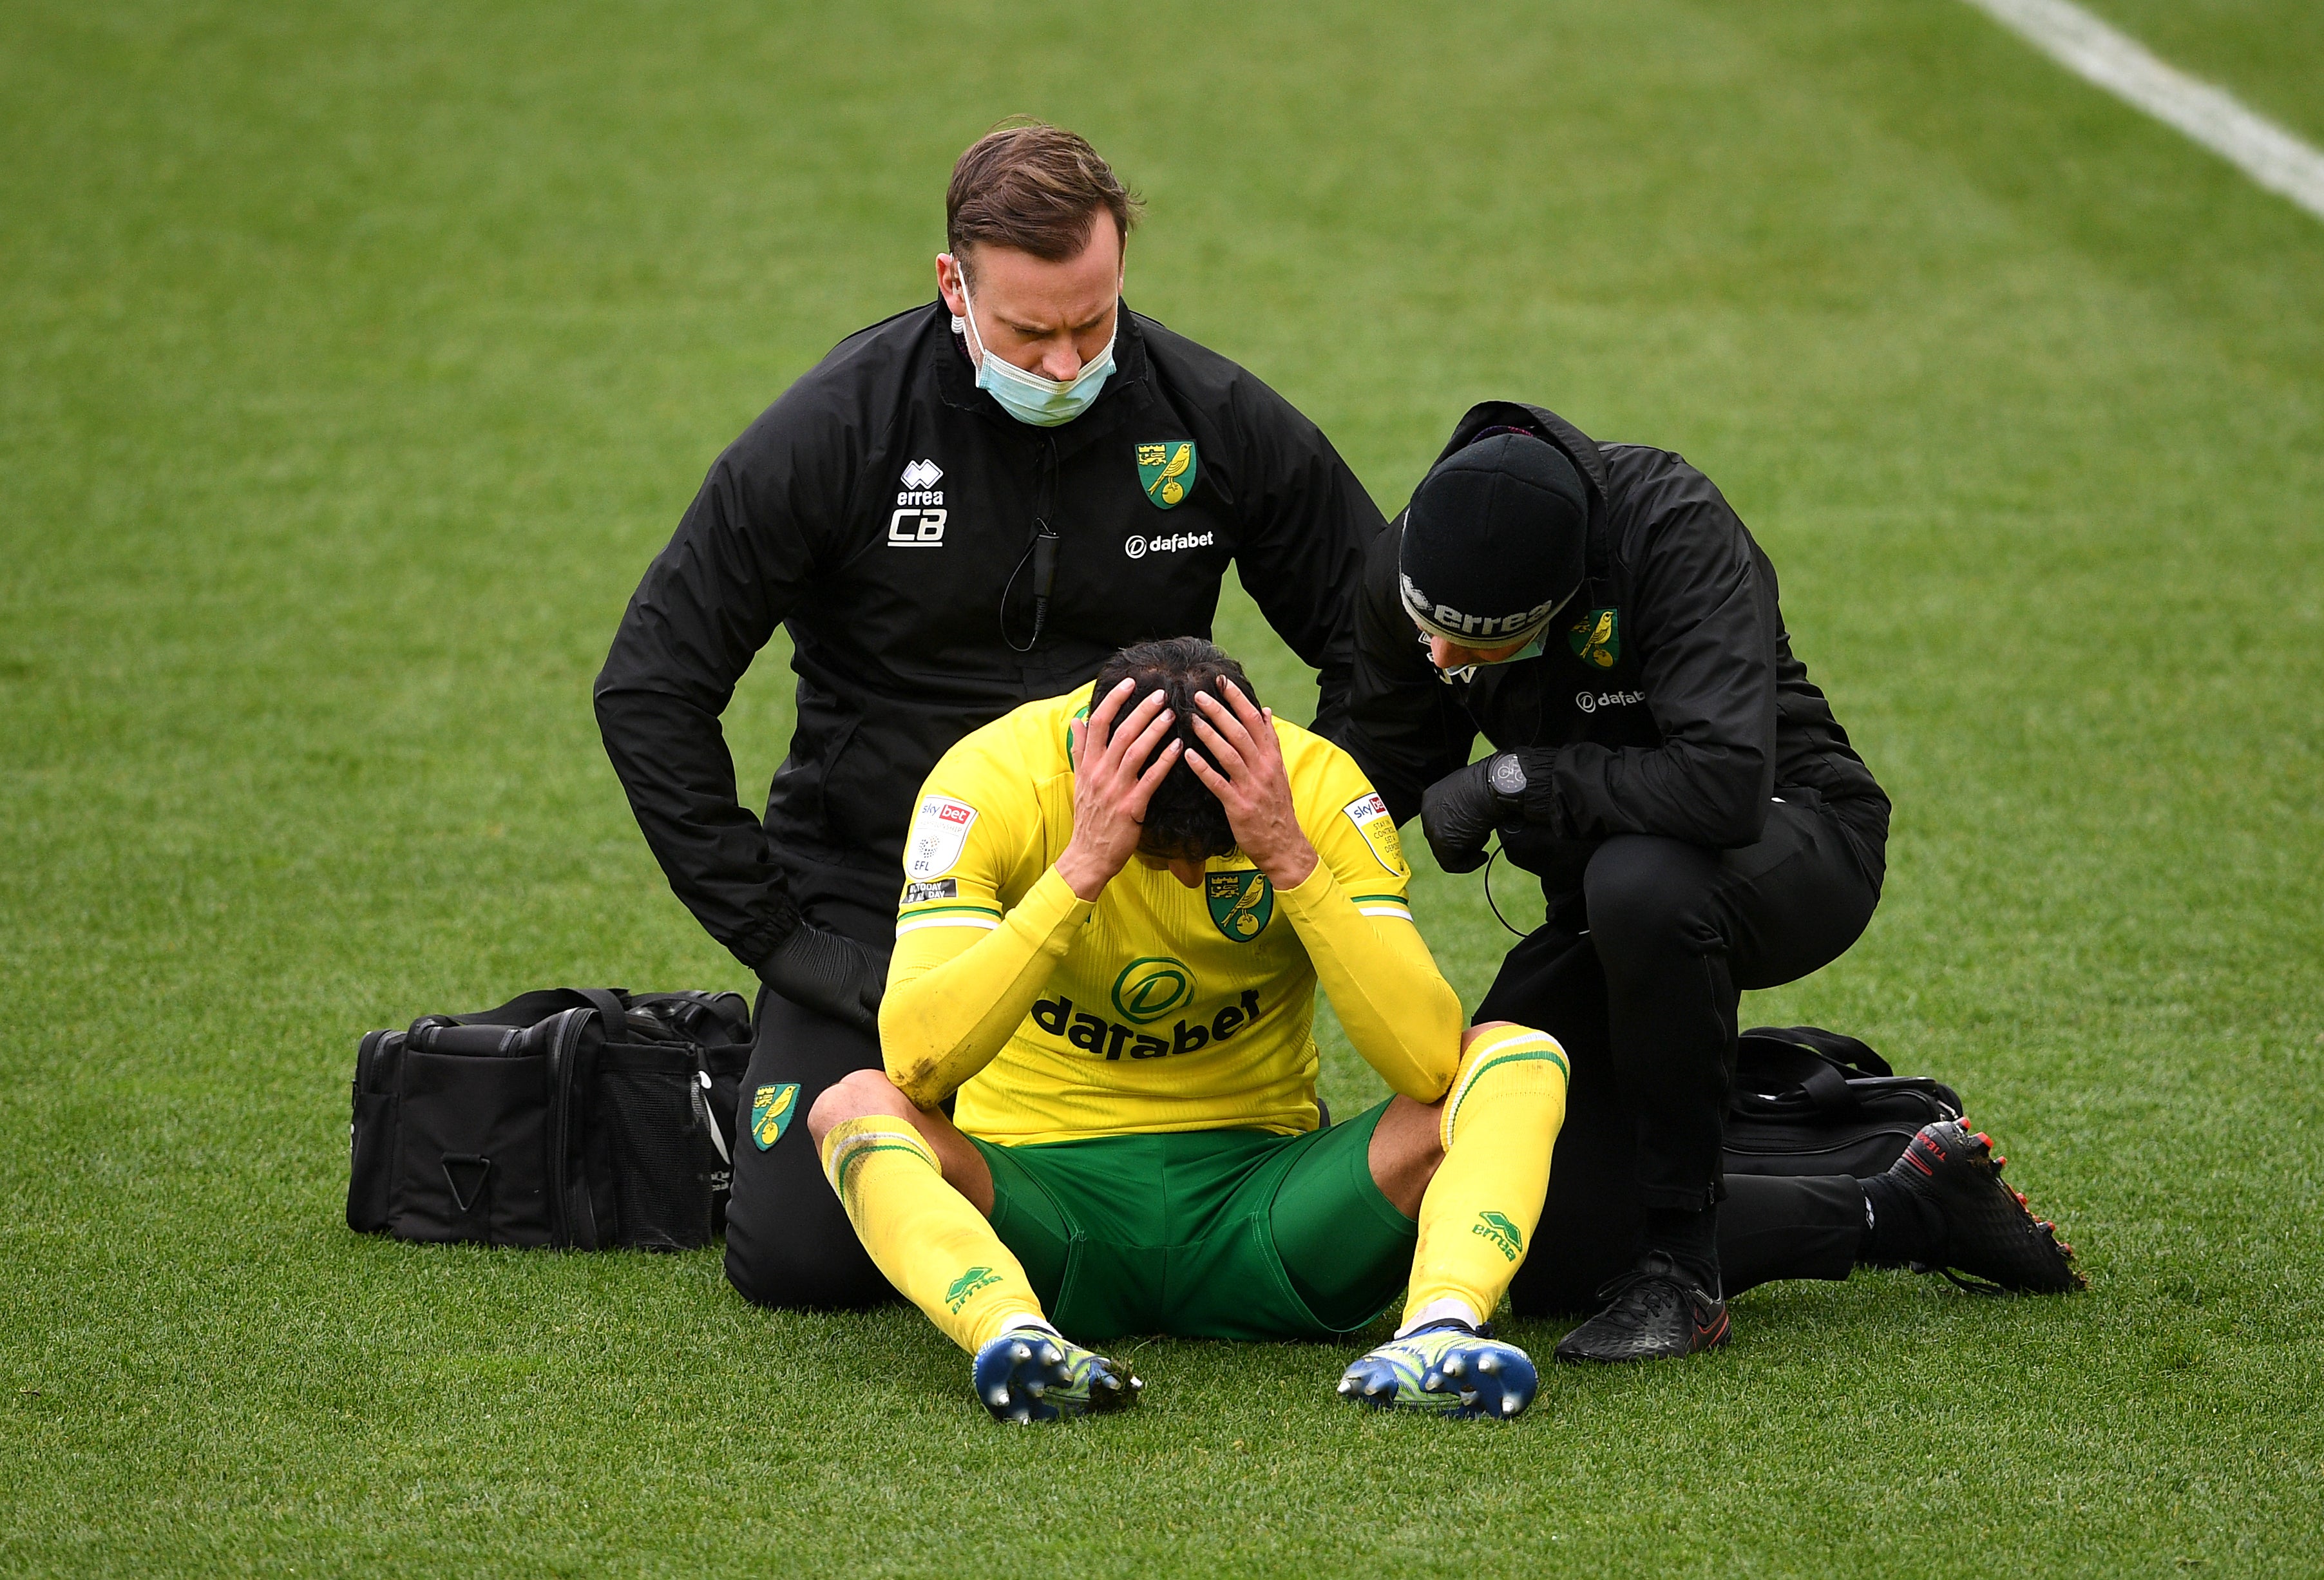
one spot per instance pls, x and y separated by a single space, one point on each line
1700 825
967 506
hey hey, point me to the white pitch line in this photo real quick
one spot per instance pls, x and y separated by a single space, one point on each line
2262 150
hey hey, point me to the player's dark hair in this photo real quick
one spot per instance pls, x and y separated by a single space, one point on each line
1036 188
1183 818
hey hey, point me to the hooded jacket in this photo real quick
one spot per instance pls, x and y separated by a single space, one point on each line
885 512
1667 699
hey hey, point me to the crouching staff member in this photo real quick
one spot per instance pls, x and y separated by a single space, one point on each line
1116 974
973 503
1701 826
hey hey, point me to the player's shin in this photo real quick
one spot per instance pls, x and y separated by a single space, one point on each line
1500 1121
924 1234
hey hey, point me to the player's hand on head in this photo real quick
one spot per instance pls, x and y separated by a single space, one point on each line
1119 756
1240 760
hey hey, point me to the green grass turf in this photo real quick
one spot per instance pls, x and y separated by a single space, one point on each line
354 360
2269 54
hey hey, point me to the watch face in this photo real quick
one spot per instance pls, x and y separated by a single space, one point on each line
1507 776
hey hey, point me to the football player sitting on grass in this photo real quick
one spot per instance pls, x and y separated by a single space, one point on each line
1113 923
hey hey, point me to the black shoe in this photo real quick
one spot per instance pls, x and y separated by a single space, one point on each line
1658 1313
1989 1234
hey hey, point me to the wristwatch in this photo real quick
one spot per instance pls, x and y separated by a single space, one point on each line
1506 777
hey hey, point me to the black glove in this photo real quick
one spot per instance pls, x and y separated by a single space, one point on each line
1457 813
819 969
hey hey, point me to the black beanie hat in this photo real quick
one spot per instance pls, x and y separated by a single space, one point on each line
1493 541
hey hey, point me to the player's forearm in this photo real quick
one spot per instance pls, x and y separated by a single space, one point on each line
1397 1009
952 1005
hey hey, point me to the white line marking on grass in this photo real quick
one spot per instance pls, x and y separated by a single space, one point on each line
2124 67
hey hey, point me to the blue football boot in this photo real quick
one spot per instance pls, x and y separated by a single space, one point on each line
1445 1368
1030 1374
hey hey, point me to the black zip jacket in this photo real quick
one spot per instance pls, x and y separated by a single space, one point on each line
1667 700
883 510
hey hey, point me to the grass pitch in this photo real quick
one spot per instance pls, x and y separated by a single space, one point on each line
355 360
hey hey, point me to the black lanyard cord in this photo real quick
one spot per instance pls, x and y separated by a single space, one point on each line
1043 552
1488 892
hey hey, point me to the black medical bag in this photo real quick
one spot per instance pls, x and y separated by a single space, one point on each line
584 1119
1808 1101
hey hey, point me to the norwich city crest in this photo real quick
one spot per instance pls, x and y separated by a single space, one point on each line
1596 638
1166 471
1240 903
771 1108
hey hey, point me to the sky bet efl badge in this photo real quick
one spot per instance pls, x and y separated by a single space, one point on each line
1242 903
939 831
1369 813
1166 471
771 1108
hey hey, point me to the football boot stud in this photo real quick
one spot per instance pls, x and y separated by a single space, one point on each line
1993 1242
1030 1374
1444 1369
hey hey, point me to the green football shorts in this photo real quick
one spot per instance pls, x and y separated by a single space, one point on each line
1221 1233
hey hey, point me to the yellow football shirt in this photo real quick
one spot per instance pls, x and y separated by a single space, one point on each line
1171 1008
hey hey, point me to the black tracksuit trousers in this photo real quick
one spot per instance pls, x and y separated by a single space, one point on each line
1639 972
789 1242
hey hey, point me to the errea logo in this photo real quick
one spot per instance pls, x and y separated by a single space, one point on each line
1500 1231
968 1284
919 518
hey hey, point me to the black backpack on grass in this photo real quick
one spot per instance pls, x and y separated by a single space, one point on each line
1808 1101
580 1118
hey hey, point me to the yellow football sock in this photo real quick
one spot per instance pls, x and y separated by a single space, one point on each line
924 1234
1500 1123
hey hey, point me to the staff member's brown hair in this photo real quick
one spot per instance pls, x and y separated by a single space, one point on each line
1036 188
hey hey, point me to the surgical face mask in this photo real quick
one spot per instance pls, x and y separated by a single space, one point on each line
1532 649
1027 396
